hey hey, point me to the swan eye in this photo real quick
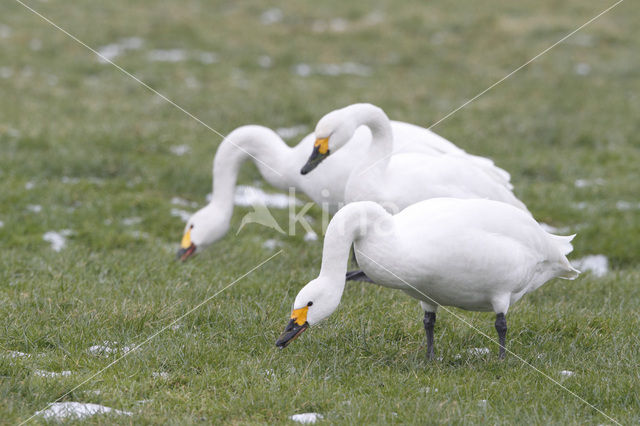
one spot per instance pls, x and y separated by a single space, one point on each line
191 227
310 303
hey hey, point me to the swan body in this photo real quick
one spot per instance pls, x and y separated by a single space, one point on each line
474 254
398 179
277 163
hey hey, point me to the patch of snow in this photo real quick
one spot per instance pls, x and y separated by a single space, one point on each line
265 61
180 150
176 326
6 72
269 373
182 214
306 418
271 16
429 390
76 410
478 351
374 18
5 31
130 221
29 185
347 68
17 354
52 80
1 224
208 57
626 205
582 205
583 183
160 375
582 68
567 373
167 55
52 374
58 240
144 401
107 348
310 236
248 196
482 403
177 201
291 132
35 44
113 50
597 264
271 244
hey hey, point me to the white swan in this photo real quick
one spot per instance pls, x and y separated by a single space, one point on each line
397 180
278 165
473 254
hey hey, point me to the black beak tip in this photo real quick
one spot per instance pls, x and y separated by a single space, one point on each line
184 253
291 332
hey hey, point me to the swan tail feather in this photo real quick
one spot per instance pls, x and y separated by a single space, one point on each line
563 243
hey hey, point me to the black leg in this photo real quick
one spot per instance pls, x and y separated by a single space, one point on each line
358 276
429 323
501 328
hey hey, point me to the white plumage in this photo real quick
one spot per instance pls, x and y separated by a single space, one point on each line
398 179
473 254
279 164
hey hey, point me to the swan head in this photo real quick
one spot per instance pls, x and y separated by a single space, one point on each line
332 132
204 228
315 302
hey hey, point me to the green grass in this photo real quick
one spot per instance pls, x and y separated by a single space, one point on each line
62 113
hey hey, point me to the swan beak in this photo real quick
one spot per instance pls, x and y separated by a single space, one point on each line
187 248
297 325
185 253
320 152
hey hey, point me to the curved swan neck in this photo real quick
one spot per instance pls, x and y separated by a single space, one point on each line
260 144
377 121
352 222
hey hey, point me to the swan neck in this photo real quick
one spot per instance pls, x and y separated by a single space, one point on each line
261 145
352 223
381 133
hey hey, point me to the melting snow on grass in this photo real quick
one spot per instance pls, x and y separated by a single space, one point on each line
58 240
584 183
597 264
5 31
34 208
167 55
182 214
76 410
271 16
113 50
52 374
17 354
247 196
1 224
626 205
306 418
567 373
130 221
310 236
177 201
107 348
347 68
271 244
180 150
160 375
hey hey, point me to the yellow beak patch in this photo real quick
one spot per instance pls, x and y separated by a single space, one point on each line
186 240
322 145
300 315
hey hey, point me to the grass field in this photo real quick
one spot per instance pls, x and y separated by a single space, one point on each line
85 148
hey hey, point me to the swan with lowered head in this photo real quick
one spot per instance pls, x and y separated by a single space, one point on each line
474 254
397 180
276 162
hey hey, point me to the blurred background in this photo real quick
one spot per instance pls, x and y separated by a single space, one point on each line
90 154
